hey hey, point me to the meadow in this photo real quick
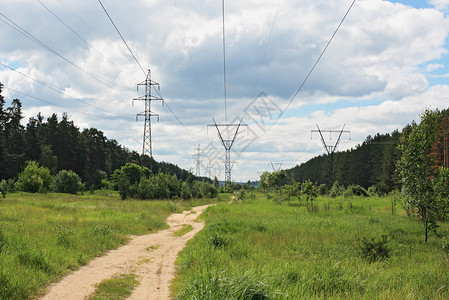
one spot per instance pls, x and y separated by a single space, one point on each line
342 248
44 236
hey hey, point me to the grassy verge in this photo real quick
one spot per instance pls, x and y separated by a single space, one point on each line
44 236
119 287
259 250
184 229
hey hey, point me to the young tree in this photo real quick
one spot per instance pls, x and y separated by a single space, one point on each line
417 171
3 188
34 178
275 181
263 181
14 142
216 183
67 182
309 190
442 192
292 190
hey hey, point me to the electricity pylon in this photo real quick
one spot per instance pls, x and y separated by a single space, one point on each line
331 149
278 164
147 98
227 144
198 155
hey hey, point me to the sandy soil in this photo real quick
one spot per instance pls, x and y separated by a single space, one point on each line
152 257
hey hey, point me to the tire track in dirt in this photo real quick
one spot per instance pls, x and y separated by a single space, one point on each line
152 257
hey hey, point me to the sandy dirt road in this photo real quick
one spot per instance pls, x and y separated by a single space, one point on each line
152 257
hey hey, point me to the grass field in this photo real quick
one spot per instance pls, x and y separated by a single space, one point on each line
259 250
44 236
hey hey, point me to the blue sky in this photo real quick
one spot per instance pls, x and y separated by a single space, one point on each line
388 62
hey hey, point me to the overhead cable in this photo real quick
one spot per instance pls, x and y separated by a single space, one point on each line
54 104
123 39
75 33
56 89
135 58
224 60
266 49
176 117
195 72
24 32
312 69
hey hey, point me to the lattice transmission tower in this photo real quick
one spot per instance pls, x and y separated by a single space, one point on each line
197 156
330 149
227 143
279 166
147 114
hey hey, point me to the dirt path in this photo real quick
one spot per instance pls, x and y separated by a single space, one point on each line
152 257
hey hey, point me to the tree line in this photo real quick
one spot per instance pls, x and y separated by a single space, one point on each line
58 144
415 161
372 163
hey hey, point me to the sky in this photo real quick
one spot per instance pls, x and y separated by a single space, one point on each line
385 65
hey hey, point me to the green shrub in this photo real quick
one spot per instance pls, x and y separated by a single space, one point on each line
97 180
442 192
445 248
309 191
355 190
336 190
2 241
123 186
322 189
67 182
132 172
34 178
373 250
218 241
145 189
3 188
185 191
207 190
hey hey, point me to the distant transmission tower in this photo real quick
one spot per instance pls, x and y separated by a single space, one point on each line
198 155
149 84
330 149
227 144
278 164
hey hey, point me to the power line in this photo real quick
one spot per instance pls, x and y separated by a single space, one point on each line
75 33
188 48
190 56
40 99
177 119
55 89
266 48
312 69
27 34
123 39
224 60
81 20
57 105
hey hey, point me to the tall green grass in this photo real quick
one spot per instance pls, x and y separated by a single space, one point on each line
44 236
259 250
116 288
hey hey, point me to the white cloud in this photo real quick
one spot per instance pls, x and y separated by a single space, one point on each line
379 53
434 67
440 4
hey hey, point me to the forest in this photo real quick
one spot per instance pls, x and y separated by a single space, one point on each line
58 144
372 163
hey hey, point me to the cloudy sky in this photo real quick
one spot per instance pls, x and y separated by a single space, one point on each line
386 64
